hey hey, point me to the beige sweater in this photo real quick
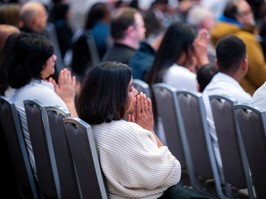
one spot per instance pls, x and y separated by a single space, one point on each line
132 163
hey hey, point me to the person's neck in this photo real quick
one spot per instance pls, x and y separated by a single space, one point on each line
128 42
235 75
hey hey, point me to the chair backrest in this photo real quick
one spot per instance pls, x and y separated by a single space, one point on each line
83 53
43 150
169 111
85 158
14 139
95 59
142 86
50 33
233 156
197 132
251 123
66 172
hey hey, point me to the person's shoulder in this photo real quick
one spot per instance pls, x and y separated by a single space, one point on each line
247 36
37 89
181 71
119 128
129 127
128 124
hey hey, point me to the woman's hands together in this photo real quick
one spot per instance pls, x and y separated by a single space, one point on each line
143 114
66 89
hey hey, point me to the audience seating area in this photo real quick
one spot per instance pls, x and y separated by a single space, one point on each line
183 116
67 160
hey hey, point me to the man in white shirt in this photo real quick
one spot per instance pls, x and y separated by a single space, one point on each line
232 63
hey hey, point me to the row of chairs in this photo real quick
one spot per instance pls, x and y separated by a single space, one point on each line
241 136
65 154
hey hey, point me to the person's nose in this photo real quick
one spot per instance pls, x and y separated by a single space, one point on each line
54 57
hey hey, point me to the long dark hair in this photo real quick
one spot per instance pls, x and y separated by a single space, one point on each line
177 41
104 93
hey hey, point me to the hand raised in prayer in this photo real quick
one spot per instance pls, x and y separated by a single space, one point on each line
201 47
143 112
66 87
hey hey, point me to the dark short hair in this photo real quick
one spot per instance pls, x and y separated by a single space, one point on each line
165 2
124 18
24 56
205 75
230 10
96 13
104 93
230 52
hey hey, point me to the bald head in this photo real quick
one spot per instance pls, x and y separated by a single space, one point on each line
34 16
5 31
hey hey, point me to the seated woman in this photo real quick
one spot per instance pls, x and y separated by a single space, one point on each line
134 161
27 60
180 53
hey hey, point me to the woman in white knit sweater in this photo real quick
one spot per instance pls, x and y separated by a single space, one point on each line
134 161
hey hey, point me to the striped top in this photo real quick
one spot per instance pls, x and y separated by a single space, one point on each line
131 161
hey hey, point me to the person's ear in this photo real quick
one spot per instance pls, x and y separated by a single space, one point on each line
216 63
198 88
131 30
245 64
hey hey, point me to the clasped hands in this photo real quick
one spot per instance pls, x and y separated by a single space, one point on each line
66 86
143 114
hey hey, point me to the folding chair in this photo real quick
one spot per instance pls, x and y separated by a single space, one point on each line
233 155
199 140
53 117
169 111
14 139
43 150
251 123
85 159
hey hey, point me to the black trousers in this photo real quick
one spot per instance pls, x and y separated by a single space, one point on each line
179 192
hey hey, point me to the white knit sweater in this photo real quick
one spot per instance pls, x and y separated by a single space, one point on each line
132 162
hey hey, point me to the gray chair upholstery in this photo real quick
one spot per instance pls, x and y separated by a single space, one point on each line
251 123
85 159
233 156
43 150
14 139
197 132
95 59
169 111
142 86
53 116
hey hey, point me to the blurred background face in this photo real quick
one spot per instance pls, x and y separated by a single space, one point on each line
139 27
245 14
132 94
49 67
41 19
208 22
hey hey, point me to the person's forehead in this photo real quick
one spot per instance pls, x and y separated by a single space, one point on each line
243 6
138 18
